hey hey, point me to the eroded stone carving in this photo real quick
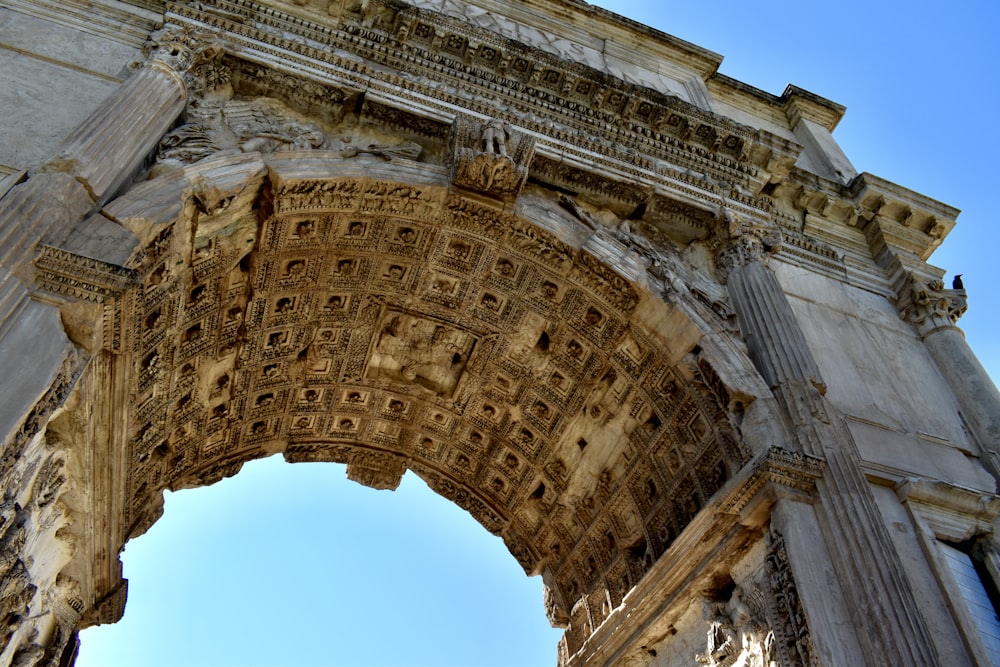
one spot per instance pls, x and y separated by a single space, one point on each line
262 125
420 351
928 305
740 240
195 55
737 636
491 157
793 633
378 470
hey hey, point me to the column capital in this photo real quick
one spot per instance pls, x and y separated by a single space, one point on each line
740 240
929 306
193 57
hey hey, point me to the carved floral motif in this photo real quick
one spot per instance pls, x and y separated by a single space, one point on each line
928 305
740 240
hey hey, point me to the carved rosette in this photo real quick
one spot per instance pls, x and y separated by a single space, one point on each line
929 306
490 157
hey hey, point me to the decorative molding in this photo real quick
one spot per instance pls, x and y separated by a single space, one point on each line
740 240
782 467
792 634
952 512
69 274
929 306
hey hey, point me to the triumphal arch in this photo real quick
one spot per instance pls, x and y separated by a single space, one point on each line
642 321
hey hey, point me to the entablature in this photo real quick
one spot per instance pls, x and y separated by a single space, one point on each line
446 63
647 156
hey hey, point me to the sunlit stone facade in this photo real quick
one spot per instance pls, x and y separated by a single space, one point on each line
645 323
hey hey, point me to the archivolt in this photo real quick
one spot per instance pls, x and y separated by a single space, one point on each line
367 313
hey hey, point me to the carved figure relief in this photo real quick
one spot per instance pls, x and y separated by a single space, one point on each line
420 351
491 157
737 637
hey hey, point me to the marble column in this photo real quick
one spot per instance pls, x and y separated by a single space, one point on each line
106 149
102 153
883 610
934 311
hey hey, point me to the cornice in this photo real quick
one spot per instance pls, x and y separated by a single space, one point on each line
63 272
639 145
126 23
953 512
800 103
487 73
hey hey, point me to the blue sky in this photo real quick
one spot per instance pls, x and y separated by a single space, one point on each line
294 565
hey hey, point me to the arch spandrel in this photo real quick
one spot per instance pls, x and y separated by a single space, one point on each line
364 311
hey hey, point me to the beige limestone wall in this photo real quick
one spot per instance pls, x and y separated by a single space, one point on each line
901 411
52 76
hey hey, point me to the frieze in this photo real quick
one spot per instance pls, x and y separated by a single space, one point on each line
681 222
564 175
305 95
714 139
383 115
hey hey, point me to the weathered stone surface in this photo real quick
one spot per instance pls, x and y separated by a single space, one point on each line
687 363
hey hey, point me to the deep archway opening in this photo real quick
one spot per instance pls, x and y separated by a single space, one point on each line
553 397
296 565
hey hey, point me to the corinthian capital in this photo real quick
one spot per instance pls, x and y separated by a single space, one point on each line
740 240
929 306
194 56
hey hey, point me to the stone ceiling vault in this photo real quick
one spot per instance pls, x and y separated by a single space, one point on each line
365 312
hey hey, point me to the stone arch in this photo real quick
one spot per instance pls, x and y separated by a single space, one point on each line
368 312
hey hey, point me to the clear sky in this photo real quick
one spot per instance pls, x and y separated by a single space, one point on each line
294 565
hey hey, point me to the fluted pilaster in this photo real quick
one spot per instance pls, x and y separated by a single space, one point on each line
934 312
108 147
778 347
883 609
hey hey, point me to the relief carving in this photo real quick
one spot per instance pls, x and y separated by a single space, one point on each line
737 636
377 470
491 157
794 640
420 351
221 123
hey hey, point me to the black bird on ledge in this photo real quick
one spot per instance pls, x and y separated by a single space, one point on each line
957 282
